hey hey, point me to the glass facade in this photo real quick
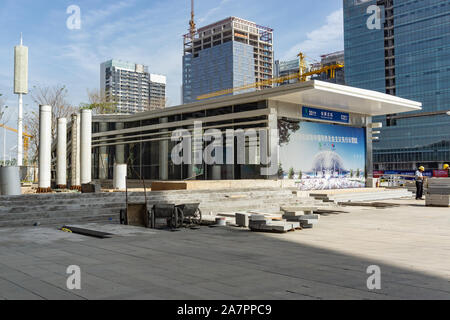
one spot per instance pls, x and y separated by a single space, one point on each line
221 67
419 41
142 154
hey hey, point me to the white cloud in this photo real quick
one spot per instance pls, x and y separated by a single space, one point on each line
328 38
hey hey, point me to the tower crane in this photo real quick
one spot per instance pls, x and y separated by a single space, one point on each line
192 26
26 138
302 75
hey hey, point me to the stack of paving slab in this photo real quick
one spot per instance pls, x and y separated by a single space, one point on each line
438 194
263 223
383 194
301 214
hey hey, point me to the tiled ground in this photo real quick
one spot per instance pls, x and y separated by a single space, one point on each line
411 245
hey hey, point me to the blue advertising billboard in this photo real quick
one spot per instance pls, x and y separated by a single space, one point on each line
323 156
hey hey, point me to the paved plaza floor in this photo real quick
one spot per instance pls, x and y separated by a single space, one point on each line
409 243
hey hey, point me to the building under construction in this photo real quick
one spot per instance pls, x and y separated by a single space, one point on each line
319 70
227 54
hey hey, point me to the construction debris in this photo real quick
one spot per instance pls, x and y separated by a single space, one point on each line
261 223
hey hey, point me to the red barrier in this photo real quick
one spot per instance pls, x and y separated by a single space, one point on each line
440 173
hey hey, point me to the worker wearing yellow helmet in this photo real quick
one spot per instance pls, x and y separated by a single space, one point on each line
419 183
447 167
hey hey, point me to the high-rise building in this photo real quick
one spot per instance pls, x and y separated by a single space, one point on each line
402 47
291 67
224 55
132 87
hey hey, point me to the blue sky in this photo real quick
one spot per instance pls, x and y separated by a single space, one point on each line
145 31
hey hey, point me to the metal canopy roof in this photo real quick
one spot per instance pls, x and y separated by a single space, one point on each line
310 93
344 98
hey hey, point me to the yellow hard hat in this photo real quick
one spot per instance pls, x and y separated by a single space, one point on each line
422 168
446 166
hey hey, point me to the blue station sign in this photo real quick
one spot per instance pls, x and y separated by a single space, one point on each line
320 114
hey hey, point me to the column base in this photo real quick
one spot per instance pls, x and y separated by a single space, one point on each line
44 190
61 186
75 188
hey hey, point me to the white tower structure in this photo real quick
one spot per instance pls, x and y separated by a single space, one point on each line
20 88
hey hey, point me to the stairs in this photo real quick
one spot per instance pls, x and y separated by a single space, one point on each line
69 208
384 194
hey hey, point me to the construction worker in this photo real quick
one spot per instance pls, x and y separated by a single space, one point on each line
447 168
419 183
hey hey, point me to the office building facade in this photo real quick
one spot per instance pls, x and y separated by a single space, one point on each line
132 87
227 54
407 54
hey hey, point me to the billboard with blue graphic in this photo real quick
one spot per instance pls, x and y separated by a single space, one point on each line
323 156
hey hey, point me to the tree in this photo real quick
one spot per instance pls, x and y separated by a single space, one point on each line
286 128
358 173
280 171
300 174
56 97
291 173
99 103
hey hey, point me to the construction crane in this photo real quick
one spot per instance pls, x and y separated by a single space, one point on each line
26 138
302 75
192 26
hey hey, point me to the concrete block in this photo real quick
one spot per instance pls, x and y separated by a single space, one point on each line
302 217
91 188
242 219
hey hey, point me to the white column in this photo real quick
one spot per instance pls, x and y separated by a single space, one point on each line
75 150
164 155
78 154
120 148
216 172
45 144
19 132
103 155
86 146
61 154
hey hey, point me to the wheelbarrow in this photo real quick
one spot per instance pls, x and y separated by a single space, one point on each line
189 213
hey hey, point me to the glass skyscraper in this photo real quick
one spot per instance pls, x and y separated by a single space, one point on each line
408 56
224 55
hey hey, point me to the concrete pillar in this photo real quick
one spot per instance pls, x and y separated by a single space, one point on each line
271 164
164 155
120 176
86 146
120 148
75 153
196 152
216 172
103 155
45 145
369 149
61 154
